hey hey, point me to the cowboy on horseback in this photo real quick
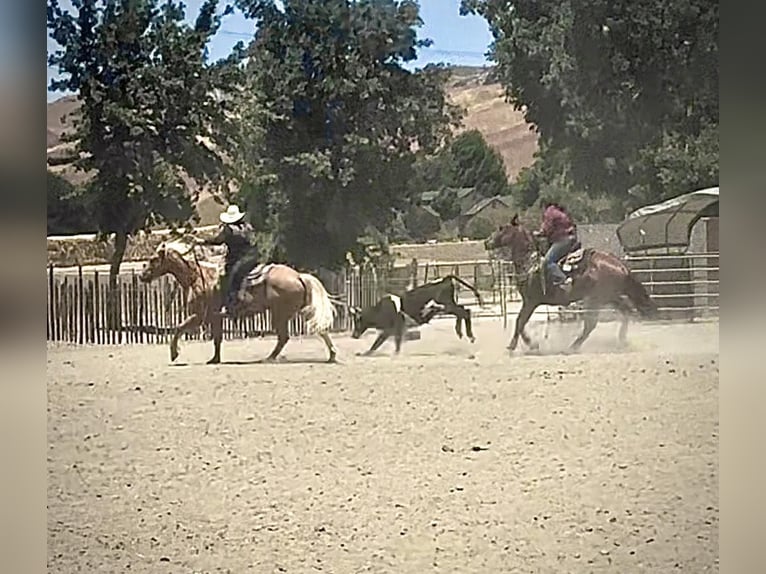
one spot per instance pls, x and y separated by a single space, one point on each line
561 232
241 253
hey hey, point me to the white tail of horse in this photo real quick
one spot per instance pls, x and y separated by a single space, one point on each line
320 311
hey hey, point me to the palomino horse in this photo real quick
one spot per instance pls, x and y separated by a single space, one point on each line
598 279
278 288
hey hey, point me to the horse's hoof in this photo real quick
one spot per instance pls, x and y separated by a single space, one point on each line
214 361
333 359
173 356
472 339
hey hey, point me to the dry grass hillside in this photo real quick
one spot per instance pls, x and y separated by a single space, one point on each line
501 125
483 102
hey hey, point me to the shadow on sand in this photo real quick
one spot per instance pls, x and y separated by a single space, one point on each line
283 361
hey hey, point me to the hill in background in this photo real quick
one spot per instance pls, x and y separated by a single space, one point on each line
470 87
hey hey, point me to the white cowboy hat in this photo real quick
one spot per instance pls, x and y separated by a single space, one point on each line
231 215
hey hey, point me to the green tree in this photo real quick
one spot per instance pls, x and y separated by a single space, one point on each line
447 203
67 207
613 84
149 115
432 171
421 223
341 120
465 161
475 164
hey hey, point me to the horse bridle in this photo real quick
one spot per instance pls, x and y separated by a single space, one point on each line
193 250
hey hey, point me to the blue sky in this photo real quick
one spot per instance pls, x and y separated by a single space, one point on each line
456 39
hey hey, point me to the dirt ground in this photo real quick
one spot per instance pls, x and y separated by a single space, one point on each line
451 457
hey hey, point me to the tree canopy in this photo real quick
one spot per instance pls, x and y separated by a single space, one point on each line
328 138
465 161
623 93
342 119
67 207
149 116
475 164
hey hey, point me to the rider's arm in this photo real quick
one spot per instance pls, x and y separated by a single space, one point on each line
545 228
219 239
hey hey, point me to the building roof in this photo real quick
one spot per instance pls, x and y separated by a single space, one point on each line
430 210
483 203
429 196
667 225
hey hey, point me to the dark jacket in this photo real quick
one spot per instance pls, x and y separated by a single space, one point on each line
239 239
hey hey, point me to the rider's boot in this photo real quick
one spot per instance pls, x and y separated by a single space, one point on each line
562 290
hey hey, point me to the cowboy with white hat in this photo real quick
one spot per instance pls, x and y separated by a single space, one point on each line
241 253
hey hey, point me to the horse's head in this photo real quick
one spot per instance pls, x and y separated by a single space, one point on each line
160 263
512 236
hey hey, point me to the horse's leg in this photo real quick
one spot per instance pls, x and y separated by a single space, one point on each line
590 322
624 310
521 321
281 326
216 326
192 322
330 346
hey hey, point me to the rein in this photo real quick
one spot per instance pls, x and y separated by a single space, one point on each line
193 249
526 266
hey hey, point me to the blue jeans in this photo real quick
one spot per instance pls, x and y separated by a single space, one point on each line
236 274
556 251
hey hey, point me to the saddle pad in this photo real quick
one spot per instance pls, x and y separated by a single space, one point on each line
574 257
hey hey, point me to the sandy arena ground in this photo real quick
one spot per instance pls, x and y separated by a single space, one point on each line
451 457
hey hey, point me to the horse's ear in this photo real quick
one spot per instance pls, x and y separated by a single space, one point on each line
515 219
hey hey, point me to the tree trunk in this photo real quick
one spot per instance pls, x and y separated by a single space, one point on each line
113 303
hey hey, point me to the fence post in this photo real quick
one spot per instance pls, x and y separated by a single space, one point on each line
51 306
80 306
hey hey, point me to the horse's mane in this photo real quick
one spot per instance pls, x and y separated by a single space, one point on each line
185 250
181 247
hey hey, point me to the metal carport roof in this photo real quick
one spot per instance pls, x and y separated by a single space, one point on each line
667 225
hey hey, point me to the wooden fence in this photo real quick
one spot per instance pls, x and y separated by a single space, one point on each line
78 311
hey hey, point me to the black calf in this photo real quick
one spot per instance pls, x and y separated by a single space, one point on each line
386 315
440 294
421 304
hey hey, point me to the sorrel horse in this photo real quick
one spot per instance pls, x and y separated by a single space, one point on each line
277 288
599 279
